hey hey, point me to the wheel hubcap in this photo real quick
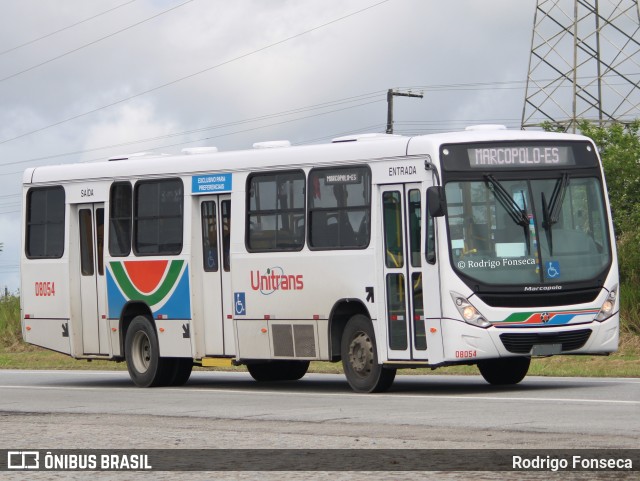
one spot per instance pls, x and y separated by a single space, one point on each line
141 352
361 354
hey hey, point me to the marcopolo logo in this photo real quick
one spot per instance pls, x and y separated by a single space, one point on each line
275 279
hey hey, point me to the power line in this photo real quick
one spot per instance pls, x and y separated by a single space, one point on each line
253 128
172 82
326 104
92 43
322 105
452 123
228 133
254 119
65 28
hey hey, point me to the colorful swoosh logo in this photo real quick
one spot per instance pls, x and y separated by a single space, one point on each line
161 284
550 318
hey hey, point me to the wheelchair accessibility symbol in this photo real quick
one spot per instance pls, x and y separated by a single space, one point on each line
239 304
552 270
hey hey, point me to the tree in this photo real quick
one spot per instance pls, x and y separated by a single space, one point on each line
619 147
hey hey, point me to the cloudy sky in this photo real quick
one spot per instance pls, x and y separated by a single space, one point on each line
81 81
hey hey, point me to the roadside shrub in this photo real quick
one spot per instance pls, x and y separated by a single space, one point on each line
10 332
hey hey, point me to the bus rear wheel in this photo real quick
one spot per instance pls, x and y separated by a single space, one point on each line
146 367
179 371
504 371
360 359
278 370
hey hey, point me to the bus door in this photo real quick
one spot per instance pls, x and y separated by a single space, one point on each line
95 329
402 227
212 267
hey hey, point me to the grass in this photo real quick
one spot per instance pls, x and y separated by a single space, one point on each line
624 363
630 308
15 354
10 321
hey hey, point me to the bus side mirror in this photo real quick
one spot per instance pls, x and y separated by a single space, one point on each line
436 201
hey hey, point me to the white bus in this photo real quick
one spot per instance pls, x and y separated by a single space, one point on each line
484 247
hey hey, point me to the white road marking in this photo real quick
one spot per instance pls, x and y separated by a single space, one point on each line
315 394
80 372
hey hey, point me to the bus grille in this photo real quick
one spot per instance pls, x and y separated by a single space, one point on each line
521 343
539 299
294 340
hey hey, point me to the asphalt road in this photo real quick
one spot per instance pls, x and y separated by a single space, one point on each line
103 410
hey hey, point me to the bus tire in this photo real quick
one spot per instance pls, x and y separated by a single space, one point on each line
360 359
504 371
180 371
278 370
142 352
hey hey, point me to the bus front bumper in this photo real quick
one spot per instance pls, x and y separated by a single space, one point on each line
466 343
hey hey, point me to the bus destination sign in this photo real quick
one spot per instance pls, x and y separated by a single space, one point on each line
520 156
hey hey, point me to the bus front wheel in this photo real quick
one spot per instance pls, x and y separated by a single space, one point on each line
504 371
360 359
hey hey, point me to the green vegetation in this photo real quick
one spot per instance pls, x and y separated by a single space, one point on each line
10 336
619 147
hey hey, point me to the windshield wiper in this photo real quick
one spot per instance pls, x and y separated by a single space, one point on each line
551 212
518 215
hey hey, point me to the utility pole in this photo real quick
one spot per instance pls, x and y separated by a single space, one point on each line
390 94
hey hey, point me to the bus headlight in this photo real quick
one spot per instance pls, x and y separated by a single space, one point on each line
608 306
469 313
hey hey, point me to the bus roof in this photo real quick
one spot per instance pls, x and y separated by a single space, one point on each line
279 156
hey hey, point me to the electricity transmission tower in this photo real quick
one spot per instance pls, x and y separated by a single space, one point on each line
584 63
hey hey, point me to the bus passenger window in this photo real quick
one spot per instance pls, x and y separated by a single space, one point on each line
158 217
275 214
45 223
120 219
339 203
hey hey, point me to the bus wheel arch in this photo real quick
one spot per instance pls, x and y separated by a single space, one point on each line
129 312
342 311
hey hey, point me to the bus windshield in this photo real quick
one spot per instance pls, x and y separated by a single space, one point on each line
529 231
